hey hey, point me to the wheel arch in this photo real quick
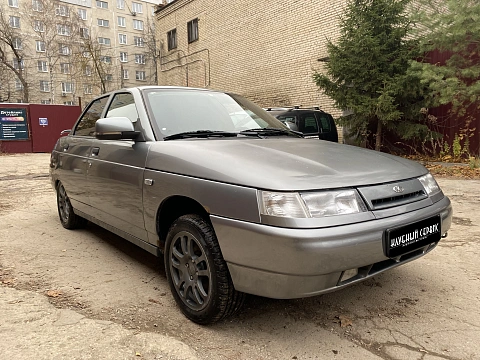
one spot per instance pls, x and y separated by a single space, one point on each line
171 209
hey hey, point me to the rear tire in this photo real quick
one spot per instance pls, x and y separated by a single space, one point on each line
68 218
197 273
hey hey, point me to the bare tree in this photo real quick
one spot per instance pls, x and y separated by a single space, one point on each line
152 48
12 43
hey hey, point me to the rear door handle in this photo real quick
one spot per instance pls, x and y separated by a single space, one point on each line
95 151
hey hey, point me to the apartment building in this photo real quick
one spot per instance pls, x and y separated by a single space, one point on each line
69 51
264 50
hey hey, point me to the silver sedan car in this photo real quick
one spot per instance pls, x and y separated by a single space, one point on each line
235 202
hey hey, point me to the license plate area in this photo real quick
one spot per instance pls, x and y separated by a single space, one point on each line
410 237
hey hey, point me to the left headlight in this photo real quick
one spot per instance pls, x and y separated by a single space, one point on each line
311 205
429 184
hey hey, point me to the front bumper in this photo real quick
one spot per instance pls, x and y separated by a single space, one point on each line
287 263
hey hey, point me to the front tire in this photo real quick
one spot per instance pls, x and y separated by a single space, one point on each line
197 273
68 218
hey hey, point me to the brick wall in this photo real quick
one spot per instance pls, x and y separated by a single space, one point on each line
264 50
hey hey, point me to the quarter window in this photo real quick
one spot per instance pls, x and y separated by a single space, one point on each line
192 27
123 105
86 124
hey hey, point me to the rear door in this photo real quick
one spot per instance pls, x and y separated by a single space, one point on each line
115 175
328 130
74 152
308 125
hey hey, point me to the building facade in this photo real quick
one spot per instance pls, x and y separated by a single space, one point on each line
69 51
264 50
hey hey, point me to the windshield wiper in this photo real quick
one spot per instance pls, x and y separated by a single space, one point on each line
200 134
268 132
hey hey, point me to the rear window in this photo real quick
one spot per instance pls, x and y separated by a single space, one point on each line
325 121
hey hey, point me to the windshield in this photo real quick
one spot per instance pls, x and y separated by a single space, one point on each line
177 111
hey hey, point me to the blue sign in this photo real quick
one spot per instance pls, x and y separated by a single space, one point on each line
43 121
13 124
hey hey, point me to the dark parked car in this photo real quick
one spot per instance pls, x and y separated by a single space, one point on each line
236 202
313 123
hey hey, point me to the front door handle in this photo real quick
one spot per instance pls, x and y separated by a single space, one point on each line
95 151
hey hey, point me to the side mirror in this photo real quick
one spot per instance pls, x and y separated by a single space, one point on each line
115 128
65 132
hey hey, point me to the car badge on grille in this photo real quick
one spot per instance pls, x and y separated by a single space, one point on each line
398 189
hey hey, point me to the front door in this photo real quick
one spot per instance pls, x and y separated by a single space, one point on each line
115 174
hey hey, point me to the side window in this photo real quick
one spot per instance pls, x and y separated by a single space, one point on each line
86 125
325 121
308 124
123 105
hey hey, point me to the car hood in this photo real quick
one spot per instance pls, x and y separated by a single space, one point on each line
280 163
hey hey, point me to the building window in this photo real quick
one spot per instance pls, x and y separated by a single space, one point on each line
102 22
69 103
87 89
67 87
13 3
37 5
38 26
18 86
104 41
137 24
82 14
63 30
84 33
108 77
172 39
14 21
122 39
63 49
192 27
121 21
138 41
87 71
125 74
120 4
65 68
123 57
137 8
18 64
44 86
17 43
102 4
62 10
140 75
106 59
40 46
139 59
42 66
45 102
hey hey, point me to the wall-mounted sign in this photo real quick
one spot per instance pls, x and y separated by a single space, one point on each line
43 121
13 124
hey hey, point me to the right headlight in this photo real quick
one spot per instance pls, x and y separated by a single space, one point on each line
311 204
429 184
